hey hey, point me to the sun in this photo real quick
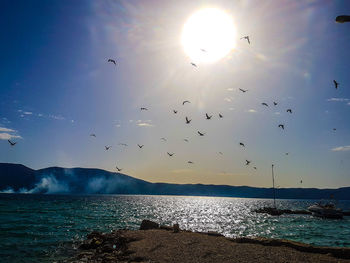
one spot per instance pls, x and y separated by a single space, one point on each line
208 35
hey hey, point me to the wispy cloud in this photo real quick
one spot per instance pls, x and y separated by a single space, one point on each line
228 99
338 99
27 112
56 117
277 113
252 111
230 89
145 124
7 136
181 171
118 125
2 129
341 148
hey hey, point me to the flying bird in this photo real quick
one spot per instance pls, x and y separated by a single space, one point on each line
241 144
334 129
254 167
140 146
287 153
143 108
207 116
342 19
107 147
220 115
190 162
281 126
93 135
163 139
119 169
203 50
221 153
247 162
200 134
170 154
247 38
12 143
186 101
185 140
193 64
113 61
265 104
289 110
243 90
275 103
301 181
188 121
175 111
336 84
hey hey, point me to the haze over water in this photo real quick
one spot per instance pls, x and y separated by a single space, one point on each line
43 228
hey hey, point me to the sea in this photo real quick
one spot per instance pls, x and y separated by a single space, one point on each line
49 228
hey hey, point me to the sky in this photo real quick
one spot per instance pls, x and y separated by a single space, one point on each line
57 88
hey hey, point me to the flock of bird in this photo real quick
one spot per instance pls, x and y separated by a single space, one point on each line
339 19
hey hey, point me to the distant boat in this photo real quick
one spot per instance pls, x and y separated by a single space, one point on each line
327 210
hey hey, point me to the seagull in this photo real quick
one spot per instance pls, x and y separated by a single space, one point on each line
247 38
144 108
247 162
275 103
119 169
289 110
93 135
336 84
185 140
170 154
334 129
243 90
124 144
175 111
193 64
342 19
203 50
287 153
140 146
254 167
113 61
188 121
12 143
190 162
241 144
220 116
207 116
265 104
186 101
163 139
301 181
221 153
107 147
200 134
281 126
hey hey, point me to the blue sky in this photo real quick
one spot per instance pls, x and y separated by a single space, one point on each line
57 88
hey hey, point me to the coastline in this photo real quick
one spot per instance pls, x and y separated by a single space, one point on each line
154 243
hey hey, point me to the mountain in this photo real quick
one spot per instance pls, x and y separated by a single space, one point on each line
17 178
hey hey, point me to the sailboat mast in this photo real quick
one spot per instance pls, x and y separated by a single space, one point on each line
273 186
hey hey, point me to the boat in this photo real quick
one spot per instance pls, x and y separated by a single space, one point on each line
327 210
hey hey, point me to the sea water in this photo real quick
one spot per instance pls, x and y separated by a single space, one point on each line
48 228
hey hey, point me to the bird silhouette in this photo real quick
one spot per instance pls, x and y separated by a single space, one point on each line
193 64
113 61
241 144
287 153
190 162
254 167
188 121
163 139
143 108
12 143
221 153
124 144
175 111
185 140
342 19
281 126
203 50
275 103
301 181
265 104
207 116
93 135
247 162
140 146
243 90
185 101
170 154
247 38
334 129
336 84
289 110
119 169
220 115
200 134
107 147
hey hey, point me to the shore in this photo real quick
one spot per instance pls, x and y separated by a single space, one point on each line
154 243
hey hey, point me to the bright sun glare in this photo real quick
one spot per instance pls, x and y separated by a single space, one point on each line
208 35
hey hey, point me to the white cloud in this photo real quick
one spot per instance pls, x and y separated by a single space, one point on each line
230 89
2 129
338 99
118 125
341 148
7 136
145 124
228 99
252 111
348 103
27 112
40 115
277 113
56 117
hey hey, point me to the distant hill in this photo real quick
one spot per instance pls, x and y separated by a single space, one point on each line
19 178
